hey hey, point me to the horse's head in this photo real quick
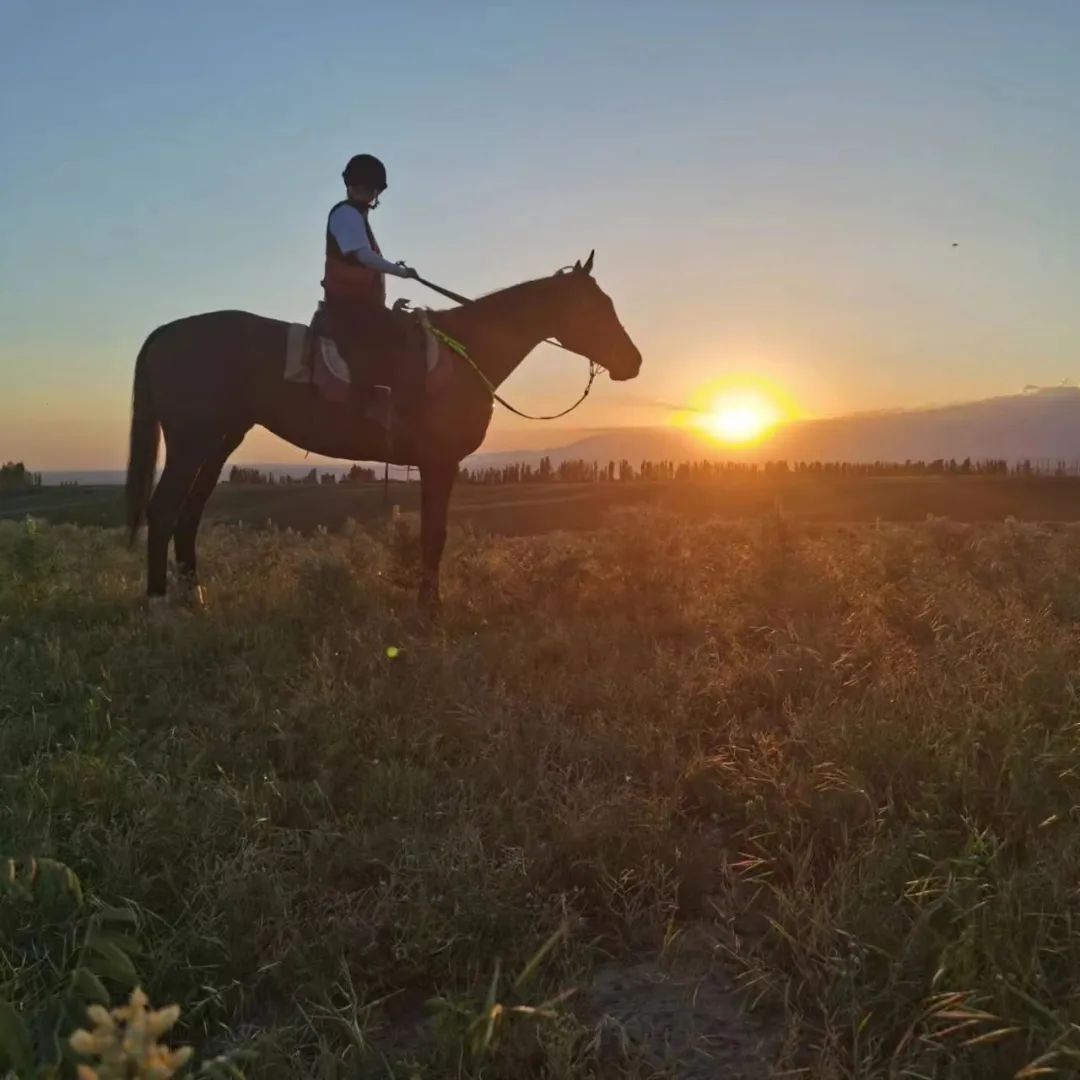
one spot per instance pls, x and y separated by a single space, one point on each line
587 323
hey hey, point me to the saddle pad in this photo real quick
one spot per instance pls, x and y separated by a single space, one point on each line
296 364
302 362
331 374
325 367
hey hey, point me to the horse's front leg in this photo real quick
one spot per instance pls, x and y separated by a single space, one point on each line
436 483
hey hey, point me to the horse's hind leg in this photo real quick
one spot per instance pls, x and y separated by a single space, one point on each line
185 450
187 526
436 483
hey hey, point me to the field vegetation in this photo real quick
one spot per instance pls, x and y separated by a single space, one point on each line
528 508
676 797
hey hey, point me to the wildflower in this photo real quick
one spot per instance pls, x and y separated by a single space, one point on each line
125 1041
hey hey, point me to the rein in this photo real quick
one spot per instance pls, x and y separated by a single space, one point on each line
456 297
456 347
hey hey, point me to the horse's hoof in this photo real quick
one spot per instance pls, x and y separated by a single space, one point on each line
190 596
157 608
430 609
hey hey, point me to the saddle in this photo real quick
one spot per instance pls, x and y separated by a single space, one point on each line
312 357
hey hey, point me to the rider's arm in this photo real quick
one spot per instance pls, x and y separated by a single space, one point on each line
347 227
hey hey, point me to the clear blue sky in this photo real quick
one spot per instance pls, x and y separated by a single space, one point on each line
772 188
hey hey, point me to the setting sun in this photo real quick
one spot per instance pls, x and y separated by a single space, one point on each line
738 411
739 419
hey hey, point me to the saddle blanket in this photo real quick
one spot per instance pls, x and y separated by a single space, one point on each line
320 363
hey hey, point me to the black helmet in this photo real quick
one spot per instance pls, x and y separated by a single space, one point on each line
364 170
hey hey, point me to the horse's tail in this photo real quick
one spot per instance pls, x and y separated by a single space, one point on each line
142 455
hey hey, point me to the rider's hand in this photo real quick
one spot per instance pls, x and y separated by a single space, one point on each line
407 271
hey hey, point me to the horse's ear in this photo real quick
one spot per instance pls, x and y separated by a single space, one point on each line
577 266
587 267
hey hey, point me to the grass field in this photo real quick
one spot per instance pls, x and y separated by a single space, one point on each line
772 798
524 509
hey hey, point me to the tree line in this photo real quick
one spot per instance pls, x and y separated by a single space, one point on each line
582 471
358 474
14 475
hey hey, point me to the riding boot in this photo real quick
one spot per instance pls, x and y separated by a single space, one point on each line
381 408
367 400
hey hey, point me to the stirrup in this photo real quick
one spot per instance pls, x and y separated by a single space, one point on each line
379 404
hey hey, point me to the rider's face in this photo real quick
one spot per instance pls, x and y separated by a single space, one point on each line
361 194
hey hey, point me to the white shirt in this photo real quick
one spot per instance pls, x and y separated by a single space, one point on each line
348 228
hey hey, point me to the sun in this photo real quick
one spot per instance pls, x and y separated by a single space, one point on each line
738 410
738 415
739 419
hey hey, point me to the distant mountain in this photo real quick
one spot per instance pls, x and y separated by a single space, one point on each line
614 444
1040 424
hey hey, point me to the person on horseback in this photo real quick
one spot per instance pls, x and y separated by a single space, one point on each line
368 335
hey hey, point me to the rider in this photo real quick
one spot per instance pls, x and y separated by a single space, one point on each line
354 284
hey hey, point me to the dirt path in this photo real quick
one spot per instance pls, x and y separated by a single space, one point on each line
682 1016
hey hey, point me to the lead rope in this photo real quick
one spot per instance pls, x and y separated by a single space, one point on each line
460 350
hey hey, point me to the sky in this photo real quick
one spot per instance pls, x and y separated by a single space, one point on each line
773 189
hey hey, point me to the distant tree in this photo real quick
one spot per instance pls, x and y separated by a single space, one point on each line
358 474
14 476
576 471
239 474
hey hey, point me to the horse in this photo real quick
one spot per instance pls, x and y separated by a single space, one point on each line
204 381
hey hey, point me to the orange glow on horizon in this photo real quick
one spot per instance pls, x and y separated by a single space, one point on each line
738 411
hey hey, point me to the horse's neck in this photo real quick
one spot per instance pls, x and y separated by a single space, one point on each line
501 329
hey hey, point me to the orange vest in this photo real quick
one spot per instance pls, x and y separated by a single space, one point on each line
344 279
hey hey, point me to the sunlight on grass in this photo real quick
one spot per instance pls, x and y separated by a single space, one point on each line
833 765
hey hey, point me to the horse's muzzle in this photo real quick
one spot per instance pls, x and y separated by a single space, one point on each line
625 365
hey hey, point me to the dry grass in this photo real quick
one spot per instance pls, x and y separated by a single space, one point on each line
843 761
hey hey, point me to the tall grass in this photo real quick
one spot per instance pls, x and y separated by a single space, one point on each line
839 763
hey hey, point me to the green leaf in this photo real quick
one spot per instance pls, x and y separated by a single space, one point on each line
530 968
111 961
89 987
119 915
58 888
483 1027
16 1050
124 942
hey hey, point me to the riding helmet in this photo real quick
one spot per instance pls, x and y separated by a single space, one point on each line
365 170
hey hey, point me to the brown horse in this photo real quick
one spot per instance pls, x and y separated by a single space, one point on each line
206 380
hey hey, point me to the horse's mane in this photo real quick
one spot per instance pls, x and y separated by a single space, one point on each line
507 294
557 276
